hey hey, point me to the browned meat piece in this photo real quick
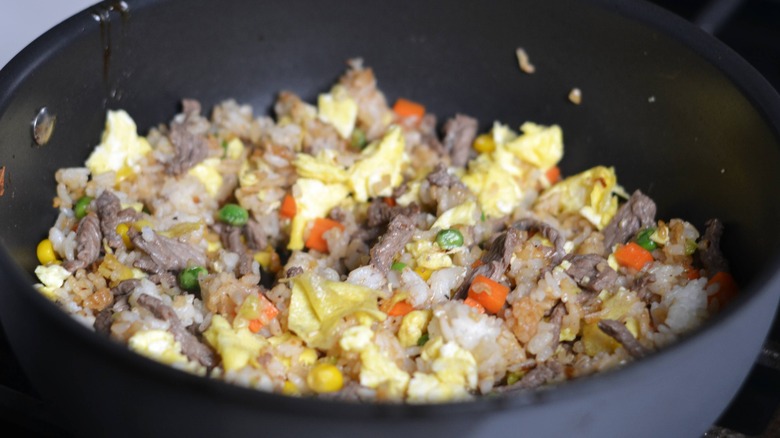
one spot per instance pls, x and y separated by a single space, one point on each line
255 237
440 177
459 134
380 214
165 279
294 271
125 287
541 375
639 285
427 130
556 319
111 214
493 262
190 345
620 333
164 253
592 272
709 248
103 321
399 231
190 148
88 239
549 232
231 239
637 213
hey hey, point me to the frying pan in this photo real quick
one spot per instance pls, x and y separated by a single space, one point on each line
678 114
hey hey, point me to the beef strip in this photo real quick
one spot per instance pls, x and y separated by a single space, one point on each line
440 177
164 253
190 345
637 213
709 248
556 319
493 262
620 333
459 134
427 130
190 149
111 214
103 321
294 271
399 232
592 272
88 239
125 287
231 241
380 214
543 374
255 237
165 279
548 231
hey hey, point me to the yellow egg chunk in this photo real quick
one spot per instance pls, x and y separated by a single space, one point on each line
313 199
237 347
207 172
339 110
379 169
52 277
539 146
413 325
121 147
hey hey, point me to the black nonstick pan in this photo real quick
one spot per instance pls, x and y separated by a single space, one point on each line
678 114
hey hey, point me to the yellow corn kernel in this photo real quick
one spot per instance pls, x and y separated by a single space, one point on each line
263 258
484 143
325 377
289 388
124 173
308 357
45 252
122 230
425 273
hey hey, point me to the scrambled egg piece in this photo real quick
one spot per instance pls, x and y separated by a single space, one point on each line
590 193
120 149
494 178
495 175
412 327
313 199
375 368
237 347
454 373
339 110
428 255
207 171
378 170
234 149
52 277
159 345
463 214
319 306
323 167
615 307
540 146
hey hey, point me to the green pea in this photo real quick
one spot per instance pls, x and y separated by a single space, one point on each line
449 239
423 339
188 278
643 239
233 214
690 246
398 266
80 208
358 139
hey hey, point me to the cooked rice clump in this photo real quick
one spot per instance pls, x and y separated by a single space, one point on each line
348 249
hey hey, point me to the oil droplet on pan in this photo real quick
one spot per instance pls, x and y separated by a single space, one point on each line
43 126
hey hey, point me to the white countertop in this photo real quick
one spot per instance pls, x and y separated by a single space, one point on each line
21 21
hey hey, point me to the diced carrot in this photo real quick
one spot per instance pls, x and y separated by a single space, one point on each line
389 201
477 263
407 108
490 294
315 240
400 308
728 288
255 325
289 208
475 304
553 174
692 273
633 256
